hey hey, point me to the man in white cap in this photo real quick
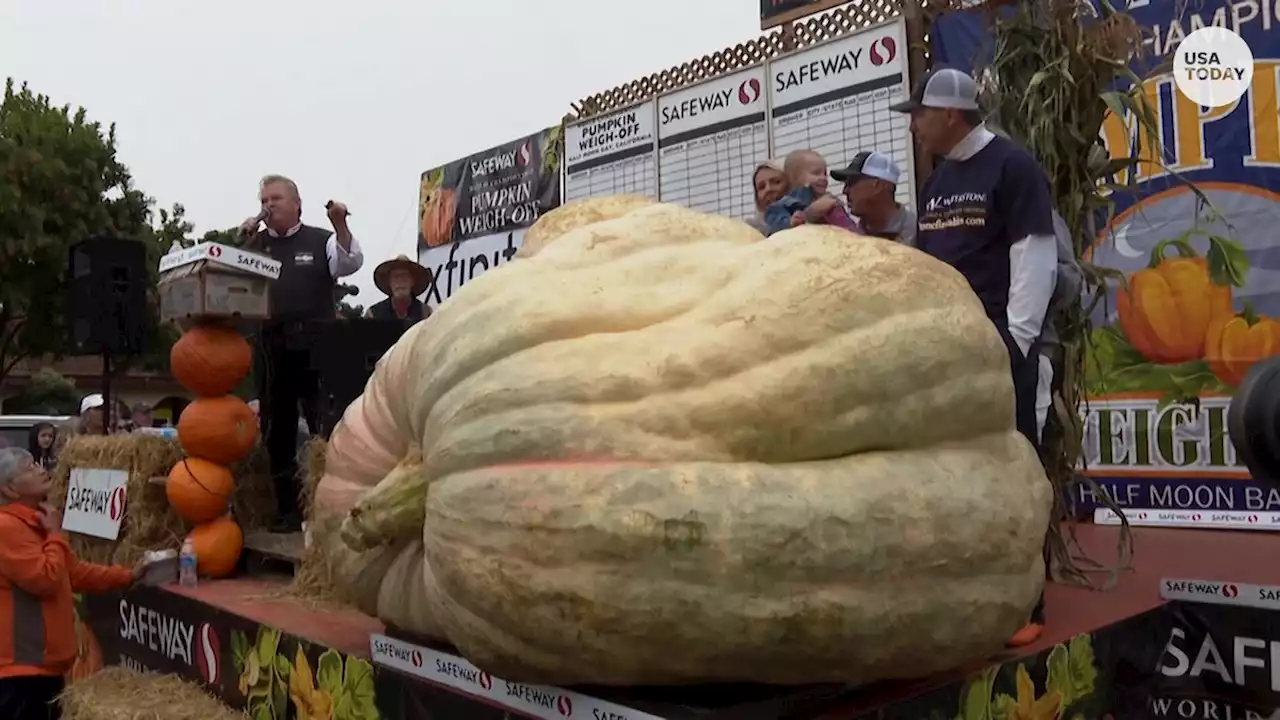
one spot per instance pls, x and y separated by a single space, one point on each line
870 183
92 421
986 209
402 280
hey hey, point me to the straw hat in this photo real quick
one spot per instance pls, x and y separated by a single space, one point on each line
421 276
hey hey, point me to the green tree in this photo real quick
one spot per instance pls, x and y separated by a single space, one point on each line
349 311
48 392
60 182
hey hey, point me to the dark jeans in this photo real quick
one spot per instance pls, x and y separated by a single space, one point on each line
287 381
32 697
1026 376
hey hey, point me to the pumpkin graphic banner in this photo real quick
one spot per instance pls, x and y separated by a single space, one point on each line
1200 299
472 211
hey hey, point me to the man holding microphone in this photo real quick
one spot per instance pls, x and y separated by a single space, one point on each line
311 260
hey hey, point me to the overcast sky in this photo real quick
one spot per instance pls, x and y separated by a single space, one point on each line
351 99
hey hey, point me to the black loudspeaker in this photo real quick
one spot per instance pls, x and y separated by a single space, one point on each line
344 357
107 296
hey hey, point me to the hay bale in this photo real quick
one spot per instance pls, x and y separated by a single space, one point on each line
117 693
254 502
315 580
149 521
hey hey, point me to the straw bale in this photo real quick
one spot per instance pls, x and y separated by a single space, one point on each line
149 521
315 580
117 693
254 503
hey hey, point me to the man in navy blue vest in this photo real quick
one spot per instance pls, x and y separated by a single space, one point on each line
986 210
311 259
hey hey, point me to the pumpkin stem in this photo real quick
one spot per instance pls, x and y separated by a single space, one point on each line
1250 314
1178 243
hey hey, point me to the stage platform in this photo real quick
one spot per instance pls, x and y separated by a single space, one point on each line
253 645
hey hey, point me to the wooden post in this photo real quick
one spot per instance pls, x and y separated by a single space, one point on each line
917 65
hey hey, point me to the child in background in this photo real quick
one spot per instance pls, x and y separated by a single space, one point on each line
807 175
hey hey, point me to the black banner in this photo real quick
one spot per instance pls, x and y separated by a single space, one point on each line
1219 662
776 12
496 191
250 666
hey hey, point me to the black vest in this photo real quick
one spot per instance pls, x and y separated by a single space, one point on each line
305 288
386 311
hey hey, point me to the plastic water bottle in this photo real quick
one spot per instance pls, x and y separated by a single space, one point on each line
187 564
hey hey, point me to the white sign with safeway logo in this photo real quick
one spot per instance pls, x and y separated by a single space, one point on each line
1223 520
1266 597
537 701
95 502
231 257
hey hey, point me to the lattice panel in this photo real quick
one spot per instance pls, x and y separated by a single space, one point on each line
813 29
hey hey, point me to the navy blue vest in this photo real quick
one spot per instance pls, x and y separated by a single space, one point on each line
305 288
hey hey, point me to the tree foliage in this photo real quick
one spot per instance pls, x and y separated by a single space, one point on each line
61 182
47 393
349 311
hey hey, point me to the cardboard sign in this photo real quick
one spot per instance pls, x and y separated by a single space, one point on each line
95 502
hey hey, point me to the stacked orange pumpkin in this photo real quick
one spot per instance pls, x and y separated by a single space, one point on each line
216 430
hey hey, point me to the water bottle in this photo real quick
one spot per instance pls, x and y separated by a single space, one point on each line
187 564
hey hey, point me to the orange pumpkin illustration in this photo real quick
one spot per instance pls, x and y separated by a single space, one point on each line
1233 343
1167 308
438 213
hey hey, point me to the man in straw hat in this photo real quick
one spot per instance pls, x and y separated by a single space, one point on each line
402 280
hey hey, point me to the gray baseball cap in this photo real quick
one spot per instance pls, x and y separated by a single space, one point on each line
941 88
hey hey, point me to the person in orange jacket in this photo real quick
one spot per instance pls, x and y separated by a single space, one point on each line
38 574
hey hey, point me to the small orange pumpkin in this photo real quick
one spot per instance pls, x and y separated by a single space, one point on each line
220 429
210 360
218 544
199 490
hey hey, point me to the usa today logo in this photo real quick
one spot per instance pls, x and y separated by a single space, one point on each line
1213 67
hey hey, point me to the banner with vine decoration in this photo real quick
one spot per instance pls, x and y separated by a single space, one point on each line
1193 258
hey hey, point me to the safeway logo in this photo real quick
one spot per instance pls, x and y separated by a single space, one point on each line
116 507
748 91
1229 590
524 154
208 654
1195 517
215 251
883 51
415 657
485 680
1142 516
564 706
1252 518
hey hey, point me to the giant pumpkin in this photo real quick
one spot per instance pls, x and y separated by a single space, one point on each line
210 360
657 449
219 429
198 489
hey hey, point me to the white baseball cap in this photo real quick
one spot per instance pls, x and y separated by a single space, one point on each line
872 164
942 88
90 402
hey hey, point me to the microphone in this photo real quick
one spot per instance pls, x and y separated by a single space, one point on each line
262 215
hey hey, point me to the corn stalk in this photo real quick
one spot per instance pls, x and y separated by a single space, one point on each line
1059 68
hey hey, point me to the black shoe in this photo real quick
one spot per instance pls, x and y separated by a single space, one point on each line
288 523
